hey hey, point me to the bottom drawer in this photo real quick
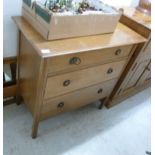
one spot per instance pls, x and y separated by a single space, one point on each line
77 99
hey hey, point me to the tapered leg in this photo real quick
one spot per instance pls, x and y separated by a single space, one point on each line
102 103
35 128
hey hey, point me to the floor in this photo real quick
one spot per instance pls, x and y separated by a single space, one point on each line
121 130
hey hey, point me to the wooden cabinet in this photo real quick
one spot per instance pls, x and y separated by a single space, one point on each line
137 75
146 76
137 71
62 75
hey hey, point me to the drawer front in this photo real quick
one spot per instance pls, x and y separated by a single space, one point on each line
75 61
61 84
77 99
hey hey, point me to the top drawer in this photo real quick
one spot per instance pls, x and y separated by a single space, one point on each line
75 61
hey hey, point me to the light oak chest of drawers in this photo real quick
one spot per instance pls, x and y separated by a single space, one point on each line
63 75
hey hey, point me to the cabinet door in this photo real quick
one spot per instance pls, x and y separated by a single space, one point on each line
138 68
146 52
147 49
146 76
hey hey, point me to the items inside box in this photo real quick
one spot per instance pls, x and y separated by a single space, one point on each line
70 23
62 7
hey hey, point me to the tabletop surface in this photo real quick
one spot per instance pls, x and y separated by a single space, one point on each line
121 36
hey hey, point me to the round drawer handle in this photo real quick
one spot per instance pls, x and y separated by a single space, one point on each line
66 83
110 70
100 91
61 105
75 61
118 52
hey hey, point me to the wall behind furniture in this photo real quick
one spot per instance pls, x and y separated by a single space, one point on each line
13 8
10 37
122 2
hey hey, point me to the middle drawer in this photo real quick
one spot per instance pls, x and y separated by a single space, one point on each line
61 84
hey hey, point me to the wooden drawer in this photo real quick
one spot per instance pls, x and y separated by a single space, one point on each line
77 99
74 61
61 84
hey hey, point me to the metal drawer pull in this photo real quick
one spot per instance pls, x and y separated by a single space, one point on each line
66 83
61 105
100 91
75 61
118 52
110 70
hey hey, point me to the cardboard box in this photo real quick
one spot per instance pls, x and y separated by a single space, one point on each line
28 6
54 26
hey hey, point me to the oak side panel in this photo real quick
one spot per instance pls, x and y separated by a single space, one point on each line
29 73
